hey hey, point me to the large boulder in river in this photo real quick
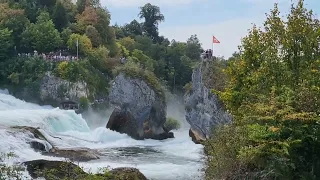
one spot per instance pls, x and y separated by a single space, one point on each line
122 121
142 107
204 110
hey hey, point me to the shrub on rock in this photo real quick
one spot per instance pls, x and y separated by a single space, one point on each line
171 124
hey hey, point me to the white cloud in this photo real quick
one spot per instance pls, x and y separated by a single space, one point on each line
135 3
229 33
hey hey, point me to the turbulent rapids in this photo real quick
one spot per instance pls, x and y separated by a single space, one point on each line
177 158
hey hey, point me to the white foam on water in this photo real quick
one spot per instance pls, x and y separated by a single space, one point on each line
66 129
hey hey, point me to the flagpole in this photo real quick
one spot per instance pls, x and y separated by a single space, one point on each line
77 49
212 44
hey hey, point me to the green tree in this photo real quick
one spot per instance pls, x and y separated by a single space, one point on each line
30 8
6 43
132 29
94 36
128 43
34 8
144 43
152 16
111 42
301 39
194 48
39 34
178 65
85 46
65 35
17 24
47 3
118 31
106 32
71 9
60 16
82 4
99 59
145 61
14 20
88 17
274 101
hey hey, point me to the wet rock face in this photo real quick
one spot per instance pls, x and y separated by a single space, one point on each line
204 110
140 108
54 88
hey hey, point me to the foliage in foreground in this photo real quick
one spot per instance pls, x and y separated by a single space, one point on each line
10 172
67 170
274 96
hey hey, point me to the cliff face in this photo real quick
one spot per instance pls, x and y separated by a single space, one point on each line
136 97
57 89
204 110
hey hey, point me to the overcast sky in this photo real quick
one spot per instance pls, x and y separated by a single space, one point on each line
227 20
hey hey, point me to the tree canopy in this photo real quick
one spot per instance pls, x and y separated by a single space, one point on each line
56 26
152 17
274 96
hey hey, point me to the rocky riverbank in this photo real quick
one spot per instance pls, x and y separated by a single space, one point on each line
64 169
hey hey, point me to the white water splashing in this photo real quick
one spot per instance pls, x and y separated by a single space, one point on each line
177 158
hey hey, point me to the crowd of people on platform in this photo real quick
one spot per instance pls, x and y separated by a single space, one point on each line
206 54
56 57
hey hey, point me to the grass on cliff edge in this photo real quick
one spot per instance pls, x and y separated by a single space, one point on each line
133 70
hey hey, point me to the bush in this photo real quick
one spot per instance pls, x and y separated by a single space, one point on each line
171 124
84 103
10 172
188 87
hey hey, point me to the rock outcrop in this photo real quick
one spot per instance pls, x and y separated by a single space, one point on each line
57 89
50 169
75 154
128 174
39 143
141 110
204 110
67 170
195 136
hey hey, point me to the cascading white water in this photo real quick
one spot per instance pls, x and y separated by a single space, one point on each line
177 158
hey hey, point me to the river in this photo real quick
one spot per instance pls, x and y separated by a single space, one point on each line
172 159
